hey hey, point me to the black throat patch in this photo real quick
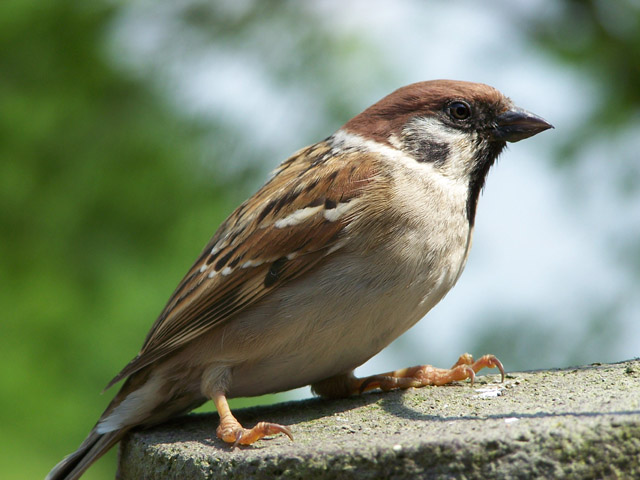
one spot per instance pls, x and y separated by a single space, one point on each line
485 157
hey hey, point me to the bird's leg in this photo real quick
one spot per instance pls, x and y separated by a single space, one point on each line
418 376
231 431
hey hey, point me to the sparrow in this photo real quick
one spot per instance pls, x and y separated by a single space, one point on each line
349 243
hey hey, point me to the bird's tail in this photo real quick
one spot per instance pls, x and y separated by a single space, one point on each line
101 439
94 446
142 401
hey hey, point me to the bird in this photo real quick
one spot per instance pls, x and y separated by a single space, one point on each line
347 245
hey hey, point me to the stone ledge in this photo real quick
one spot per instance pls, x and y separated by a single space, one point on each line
579 422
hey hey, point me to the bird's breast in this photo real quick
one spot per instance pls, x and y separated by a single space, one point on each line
348 308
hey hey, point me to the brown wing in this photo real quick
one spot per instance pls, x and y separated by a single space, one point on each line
297 218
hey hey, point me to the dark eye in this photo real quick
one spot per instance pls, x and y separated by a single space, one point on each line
459 110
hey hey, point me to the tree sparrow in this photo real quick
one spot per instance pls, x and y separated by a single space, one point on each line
349 243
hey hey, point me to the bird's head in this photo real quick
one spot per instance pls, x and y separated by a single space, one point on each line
459 128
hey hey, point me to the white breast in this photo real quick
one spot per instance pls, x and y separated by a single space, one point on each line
357 302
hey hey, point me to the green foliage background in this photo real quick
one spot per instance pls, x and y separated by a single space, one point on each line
103 207
107 192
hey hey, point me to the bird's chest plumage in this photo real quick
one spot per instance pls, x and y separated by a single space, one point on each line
429 247
350 308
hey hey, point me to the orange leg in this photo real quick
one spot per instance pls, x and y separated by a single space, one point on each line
418 376
231 431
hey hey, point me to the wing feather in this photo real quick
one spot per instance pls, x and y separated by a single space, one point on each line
297 218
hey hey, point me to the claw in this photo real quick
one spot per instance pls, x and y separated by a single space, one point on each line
498 364
263 429
275 428
490 361
471 373
239 434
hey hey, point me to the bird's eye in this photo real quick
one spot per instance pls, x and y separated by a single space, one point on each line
459 110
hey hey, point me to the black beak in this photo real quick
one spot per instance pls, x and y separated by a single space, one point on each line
517 124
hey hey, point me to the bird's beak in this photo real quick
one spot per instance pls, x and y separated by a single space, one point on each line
517 124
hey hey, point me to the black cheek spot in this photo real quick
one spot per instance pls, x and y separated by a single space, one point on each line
432 152
274 273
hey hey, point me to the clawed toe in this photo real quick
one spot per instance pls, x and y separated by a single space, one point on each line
231 431
471 375
264 429
244 436
422 375
489 361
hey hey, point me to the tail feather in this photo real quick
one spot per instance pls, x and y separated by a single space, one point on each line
142 401
94 446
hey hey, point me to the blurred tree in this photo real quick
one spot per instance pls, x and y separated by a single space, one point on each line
601 39
103 206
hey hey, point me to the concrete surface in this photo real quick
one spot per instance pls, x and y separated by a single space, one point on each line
579 422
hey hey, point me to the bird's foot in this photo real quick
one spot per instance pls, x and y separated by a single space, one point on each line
423 375
231 431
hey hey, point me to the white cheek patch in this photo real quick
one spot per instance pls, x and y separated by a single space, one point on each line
345 139
395 141
395 156
461 145
411 168
386 153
